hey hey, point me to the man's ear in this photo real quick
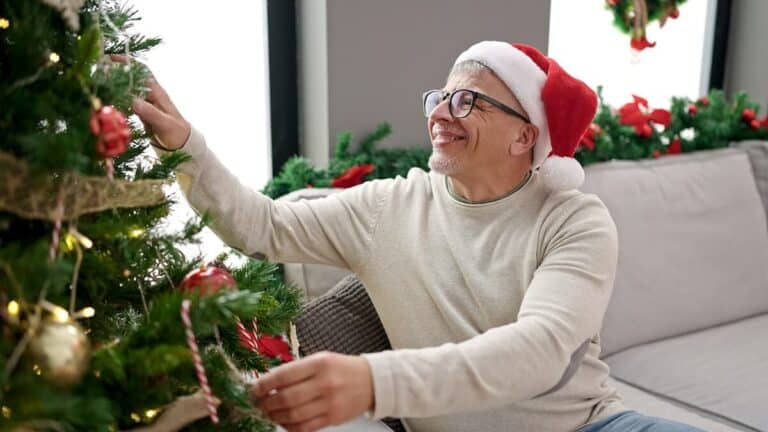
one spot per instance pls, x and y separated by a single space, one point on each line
526 140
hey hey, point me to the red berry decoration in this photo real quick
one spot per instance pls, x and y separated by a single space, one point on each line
704 101
755 124
674 13
207 280
748 114
111 129
693 109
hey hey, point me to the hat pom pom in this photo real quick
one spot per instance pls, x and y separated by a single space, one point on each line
561 173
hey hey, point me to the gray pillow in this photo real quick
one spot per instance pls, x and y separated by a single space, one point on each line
342 320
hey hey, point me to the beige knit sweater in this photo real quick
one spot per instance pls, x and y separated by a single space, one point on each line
487 305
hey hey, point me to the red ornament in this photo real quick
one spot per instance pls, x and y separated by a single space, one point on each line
748 115
612 3
675 147
693 109
111 130
641 43
755 124
674 13
704 101
656 154
207 280
274 347
353 176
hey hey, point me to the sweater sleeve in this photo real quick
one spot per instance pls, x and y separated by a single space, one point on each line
335 230
562 308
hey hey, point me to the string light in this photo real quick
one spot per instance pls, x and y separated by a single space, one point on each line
150 414
60 314
85 241
53 57
4 23
136 233
135 417
13 308
36 369
87 312
6 411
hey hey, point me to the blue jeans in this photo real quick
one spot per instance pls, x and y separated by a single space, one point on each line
633 421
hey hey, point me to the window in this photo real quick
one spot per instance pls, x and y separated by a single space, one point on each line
213 62
584 41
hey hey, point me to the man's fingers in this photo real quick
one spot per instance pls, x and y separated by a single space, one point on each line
291 396
283 376
158 96
151 116
300 414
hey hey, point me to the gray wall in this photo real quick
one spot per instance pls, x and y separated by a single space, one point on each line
747 62
376 57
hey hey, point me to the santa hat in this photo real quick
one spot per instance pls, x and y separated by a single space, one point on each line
561 106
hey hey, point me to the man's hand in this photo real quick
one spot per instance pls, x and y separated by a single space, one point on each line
317 391
159 114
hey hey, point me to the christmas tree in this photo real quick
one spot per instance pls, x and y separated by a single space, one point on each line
105 323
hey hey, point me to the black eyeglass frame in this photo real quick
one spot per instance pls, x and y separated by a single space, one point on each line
475 96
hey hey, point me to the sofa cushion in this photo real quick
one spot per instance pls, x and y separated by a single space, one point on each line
660 406
693 247
721 370
758 156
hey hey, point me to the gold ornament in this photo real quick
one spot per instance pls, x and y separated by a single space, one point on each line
60 351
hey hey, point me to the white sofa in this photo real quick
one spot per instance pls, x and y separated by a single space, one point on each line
686 332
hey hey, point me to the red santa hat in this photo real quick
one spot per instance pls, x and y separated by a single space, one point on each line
561 106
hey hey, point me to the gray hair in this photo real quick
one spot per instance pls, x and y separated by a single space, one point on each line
470 67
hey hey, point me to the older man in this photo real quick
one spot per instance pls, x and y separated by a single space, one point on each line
491 273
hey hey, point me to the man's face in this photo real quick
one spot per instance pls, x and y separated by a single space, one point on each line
480 141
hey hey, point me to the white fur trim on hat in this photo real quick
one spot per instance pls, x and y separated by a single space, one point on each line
561 173
524 78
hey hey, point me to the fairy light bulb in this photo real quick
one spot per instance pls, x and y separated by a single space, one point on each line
4 23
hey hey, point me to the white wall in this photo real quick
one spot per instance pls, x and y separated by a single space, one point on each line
585 42
381 56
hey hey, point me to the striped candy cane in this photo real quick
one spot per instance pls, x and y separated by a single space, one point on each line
249 339
209 401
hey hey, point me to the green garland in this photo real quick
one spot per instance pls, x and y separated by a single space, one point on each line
298 172
707 123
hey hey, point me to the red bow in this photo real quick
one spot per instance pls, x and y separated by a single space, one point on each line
636 114
353 176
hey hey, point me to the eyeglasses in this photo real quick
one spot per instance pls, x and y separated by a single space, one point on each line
462 101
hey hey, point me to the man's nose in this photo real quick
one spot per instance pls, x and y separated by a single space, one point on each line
441 112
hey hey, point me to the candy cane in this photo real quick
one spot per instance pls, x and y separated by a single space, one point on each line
209 400
249 339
